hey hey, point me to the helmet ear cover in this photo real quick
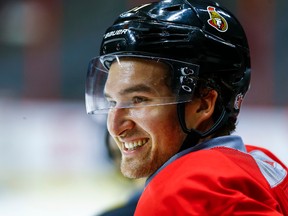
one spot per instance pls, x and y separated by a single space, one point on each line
225 111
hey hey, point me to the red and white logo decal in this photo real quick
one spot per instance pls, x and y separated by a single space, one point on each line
238 101
216 20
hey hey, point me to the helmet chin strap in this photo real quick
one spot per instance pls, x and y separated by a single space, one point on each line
193 135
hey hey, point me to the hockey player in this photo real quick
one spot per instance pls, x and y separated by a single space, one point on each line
172 76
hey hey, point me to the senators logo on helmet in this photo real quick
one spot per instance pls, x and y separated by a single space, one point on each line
216 20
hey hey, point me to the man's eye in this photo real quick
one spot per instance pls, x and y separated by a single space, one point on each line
137 100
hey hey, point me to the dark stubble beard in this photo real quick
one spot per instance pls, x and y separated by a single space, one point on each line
139 168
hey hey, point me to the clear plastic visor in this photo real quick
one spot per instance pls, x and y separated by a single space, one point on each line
133 81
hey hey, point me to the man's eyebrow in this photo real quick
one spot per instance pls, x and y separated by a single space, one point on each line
136 88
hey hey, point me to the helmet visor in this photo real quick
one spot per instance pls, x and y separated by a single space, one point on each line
134 81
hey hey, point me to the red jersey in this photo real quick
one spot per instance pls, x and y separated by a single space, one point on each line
218 180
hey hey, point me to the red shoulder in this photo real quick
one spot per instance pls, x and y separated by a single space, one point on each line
203 180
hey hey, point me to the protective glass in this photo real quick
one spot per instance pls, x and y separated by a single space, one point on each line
181 77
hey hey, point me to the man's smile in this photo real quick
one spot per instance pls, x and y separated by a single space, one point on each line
130 146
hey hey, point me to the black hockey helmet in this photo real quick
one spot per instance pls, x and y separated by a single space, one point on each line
195 31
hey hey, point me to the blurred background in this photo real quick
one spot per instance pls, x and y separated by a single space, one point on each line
53 159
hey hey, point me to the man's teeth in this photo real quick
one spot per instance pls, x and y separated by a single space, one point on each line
133 145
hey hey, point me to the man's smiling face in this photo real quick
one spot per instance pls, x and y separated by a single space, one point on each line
146 134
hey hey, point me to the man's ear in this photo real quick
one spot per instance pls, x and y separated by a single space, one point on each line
198 113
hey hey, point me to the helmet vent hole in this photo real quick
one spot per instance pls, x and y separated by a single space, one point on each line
173 8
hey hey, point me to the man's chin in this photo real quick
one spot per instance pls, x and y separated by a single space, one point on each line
134 172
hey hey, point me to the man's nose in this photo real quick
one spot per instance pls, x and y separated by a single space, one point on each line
119 121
